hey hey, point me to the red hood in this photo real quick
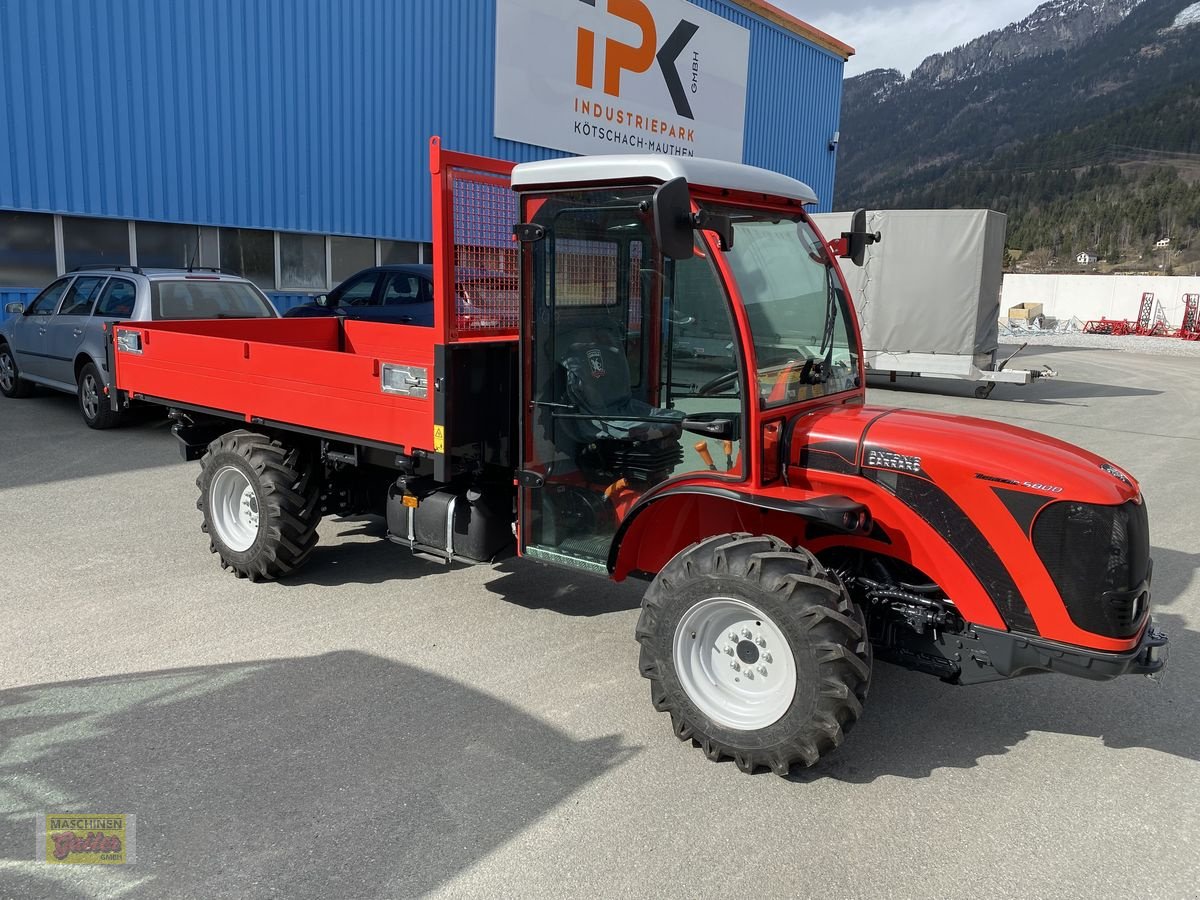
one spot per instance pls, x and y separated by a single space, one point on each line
948 448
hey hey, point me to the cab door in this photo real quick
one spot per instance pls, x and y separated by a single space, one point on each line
619 389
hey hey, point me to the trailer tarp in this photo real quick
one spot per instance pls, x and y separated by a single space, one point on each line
932 285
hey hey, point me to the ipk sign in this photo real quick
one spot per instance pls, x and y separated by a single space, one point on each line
621 76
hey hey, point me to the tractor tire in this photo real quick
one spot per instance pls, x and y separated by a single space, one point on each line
93 402
12 385
757 652
259 501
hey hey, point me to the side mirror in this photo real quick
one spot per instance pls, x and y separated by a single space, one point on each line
322 300
15 308
671 207
858 239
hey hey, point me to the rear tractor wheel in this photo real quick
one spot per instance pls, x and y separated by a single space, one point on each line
259 500
757 652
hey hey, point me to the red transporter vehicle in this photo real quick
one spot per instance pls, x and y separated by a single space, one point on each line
677 393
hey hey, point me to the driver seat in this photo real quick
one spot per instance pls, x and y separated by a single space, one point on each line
598 384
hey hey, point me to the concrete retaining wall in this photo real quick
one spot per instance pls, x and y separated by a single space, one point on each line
1097 296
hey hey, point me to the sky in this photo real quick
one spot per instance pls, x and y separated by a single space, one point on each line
899 34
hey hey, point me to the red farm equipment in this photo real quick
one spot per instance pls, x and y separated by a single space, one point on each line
1189 329
661 376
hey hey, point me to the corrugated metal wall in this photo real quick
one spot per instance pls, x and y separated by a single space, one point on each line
305 115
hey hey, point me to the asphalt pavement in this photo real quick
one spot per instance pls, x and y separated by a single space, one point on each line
381 726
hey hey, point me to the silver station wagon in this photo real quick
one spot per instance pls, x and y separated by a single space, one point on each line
58 340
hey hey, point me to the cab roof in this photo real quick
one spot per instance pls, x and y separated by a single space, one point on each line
652 167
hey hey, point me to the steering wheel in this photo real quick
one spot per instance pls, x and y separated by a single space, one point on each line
718 384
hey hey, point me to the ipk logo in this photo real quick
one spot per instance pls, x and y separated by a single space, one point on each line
620 57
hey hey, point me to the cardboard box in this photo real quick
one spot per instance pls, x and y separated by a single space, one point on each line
1026 311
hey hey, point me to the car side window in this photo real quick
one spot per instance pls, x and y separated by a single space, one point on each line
81 296
359 291
402 288
117 300
44 303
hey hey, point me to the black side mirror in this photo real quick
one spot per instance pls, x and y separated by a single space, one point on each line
858 239
672 210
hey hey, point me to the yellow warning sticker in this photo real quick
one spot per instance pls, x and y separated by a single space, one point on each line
439 438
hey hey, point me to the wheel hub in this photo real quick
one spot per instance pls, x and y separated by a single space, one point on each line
734 663
233 508
7 372
747 652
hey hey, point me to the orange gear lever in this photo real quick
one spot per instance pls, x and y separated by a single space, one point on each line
702 449
729 456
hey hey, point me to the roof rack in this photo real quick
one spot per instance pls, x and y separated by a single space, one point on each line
137 270
217 269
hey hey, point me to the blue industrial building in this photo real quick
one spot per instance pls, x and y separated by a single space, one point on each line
288 139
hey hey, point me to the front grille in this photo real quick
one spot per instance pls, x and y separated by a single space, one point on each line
1091 551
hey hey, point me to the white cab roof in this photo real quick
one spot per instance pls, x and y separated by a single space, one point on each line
712 173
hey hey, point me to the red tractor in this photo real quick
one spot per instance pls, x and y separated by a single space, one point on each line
664 379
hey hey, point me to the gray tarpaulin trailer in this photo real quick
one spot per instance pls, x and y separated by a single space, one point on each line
928 298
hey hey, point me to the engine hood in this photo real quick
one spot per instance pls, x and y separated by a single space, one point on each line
947 448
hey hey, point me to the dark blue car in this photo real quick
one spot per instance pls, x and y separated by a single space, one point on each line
400 293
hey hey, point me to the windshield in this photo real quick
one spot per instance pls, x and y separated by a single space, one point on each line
194 298
804 343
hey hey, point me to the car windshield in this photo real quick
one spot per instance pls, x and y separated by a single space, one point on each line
191 298
804 343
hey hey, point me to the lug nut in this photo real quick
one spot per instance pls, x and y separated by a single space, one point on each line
762 670
766 657
735 665
762 642
747 633
750 674
729 651
733 636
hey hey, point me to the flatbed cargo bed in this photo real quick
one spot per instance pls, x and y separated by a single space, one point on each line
323 374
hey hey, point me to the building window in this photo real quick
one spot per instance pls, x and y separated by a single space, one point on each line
302 261
160 245
395 253
92 242
249 253
427 253
26 249
348 255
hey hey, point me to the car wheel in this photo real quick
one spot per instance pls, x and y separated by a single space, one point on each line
93 401
11 382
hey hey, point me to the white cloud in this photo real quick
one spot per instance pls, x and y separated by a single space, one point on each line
899 35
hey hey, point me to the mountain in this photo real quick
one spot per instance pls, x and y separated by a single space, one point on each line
1059 25
1076 88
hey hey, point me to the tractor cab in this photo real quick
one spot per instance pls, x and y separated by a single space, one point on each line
674 313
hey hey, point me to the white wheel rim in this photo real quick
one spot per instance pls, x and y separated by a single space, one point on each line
734 663
90 397
233 507
8 373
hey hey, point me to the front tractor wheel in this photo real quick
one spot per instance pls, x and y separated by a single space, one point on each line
259 504
757 652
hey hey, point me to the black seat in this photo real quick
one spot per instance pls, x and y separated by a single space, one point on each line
598 384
